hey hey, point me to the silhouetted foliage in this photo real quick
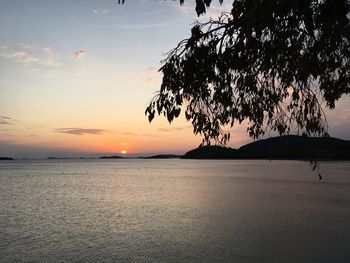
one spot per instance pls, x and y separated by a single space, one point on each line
273 63
201 5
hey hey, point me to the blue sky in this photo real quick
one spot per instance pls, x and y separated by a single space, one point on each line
76 76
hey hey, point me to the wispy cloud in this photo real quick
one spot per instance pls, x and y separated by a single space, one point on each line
80 131
100 12
147 81
146 76
27 57
80 54
137 26
26 46
48 50
4 120
172 129
153 69
138 134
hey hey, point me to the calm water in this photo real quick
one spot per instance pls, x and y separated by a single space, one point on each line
173 211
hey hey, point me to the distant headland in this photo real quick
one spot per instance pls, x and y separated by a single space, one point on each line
289 147
6 158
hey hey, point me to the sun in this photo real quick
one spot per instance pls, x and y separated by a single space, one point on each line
123 151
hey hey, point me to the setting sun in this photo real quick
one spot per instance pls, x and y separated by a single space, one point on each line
124 152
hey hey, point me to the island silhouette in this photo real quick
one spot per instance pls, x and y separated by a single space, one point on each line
288 147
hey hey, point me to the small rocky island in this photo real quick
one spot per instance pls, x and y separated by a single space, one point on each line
6 158
111 157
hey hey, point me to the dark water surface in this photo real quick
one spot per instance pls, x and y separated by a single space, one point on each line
173 211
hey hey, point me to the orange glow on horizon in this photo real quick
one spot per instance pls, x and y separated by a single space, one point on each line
123 151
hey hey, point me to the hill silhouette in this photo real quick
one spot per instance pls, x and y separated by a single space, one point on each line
284 147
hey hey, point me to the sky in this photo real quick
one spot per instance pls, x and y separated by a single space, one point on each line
76 77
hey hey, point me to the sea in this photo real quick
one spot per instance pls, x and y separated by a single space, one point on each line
173 210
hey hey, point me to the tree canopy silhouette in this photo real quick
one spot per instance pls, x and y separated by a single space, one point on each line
272 63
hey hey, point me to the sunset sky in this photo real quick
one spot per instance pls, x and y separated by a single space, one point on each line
76 76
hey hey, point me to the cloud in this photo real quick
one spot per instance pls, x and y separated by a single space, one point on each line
80 131
80 54
27 57
26 46
148 81
48 50
146 76
153 69
4 120
21 57
101 12
139 26
172 129
138 134
130 134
